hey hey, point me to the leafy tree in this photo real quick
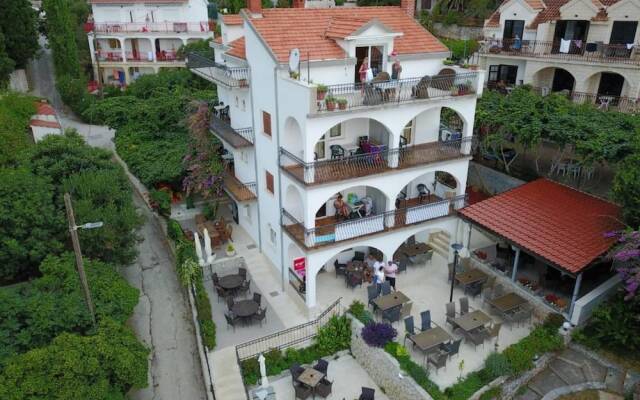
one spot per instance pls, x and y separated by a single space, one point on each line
97 367
15 112
32 314
105 195
199 46
626 189
59 26
460 49
18 23
30 225
6 64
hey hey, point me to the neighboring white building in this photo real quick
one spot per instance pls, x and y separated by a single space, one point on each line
292 153
587 47
44 122
128 38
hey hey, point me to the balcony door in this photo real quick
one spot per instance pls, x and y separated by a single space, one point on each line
623 32
502 72
513 28
574 30
610 84
375 55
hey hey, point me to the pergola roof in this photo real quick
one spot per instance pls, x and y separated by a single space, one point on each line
561 225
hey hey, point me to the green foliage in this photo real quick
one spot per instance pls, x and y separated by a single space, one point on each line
15 113
415 371
210 210
541 340
334 336
491 394
32 314
626 189
466 387
187 272
553 322
6 64
463 12
161 200
495 365
73 92
198 46
174 230
97 367
358 310
460 49
18 23
364 3
614 326
30 225
60 28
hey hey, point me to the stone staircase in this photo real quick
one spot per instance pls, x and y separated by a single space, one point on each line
440 243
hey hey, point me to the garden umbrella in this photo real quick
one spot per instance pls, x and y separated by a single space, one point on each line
196 237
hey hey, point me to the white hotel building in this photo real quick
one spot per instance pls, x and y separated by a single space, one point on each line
128 38
292 154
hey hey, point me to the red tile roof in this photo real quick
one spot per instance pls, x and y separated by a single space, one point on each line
237 48
232 19
561 225
45 124
44 108
494 19
550 11
305 28
341 27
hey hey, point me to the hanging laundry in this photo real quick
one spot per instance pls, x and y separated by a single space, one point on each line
578 43
630 46
564 46
591 47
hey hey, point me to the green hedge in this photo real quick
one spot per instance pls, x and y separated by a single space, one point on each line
333 337
358 310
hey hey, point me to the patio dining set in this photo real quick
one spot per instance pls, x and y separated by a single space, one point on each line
313 381
245 311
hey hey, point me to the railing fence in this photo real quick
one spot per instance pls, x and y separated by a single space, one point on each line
221 73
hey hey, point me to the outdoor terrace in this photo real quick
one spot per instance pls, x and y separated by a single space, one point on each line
219 73
359 165
147 27
237 138
602 53
622 104
327 231
239 190
356 96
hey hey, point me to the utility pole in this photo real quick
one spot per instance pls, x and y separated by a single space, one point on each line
73 229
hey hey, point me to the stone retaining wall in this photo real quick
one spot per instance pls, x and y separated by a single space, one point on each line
458 32
384 369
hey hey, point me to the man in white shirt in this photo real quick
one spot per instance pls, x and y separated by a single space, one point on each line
390 273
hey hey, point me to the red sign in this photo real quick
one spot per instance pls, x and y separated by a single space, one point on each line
299 265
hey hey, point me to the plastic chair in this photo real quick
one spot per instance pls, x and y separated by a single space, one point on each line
423 192
257 297
372 294
386 288
337 151
409 328
451 313
322 366
341 269
367 394
464 305
425 320
392 315
324 388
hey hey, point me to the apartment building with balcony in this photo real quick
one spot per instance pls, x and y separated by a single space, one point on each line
397 150
129 38
588 48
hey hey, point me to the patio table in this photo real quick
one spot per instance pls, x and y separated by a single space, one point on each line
231 282
507 302
391 300
245 308
431 338
310 377
470 277
472 321
412 250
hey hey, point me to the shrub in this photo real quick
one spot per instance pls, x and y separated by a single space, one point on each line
334 336
210 210
250 371
161 201
466 387
491 394
495 365
358 310
378 334
415 371
553 322
174 230
520 355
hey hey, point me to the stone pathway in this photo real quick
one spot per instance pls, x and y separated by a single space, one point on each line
570 368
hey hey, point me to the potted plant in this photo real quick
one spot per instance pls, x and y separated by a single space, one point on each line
330 101
231 250
448 62
473 67
454 90
321 91
342 104
294 75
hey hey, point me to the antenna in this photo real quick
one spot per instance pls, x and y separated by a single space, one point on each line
294 60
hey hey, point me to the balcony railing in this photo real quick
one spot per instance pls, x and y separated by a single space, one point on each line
235 137
603 102
218 73
152 27
114 55
577 50
357 96
365 164
147 56
389 220
239 190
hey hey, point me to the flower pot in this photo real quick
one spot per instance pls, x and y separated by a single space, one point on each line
320 95
243 83
331 105
231 253
473 67
342 106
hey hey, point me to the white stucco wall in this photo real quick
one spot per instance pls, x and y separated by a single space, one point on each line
191 11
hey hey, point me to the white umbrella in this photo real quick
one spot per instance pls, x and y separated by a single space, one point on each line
196 237
208 253
263 372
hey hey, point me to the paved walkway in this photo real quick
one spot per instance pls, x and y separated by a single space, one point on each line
569 368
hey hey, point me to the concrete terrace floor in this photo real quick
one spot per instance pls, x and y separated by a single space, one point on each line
427 286
347 376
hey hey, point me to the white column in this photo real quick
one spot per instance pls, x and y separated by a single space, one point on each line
576 291
516 261
123 49
153 49
92 51
311 288
394 144
390 218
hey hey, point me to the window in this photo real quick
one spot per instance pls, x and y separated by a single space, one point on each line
407 131
336 131
266 123
513 28
506 73
114 43
320 152
269 179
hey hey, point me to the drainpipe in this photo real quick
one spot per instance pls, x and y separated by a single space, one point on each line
516 261
255 167
282 266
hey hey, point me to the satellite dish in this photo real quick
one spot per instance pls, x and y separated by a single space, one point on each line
294 60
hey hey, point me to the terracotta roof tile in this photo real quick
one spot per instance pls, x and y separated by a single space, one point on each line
44 108
218 40
232 19
45 124
304 28
341 27
237 48
555 222
550 11
494 19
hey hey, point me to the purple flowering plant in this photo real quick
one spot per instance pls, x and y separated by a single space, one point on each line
378 334
626 260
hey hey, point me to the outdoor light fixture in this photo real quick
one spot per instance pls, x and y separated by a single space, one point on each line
456 250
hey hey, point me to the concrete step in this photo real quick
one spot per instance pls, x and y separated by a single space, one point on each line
440 249
614 380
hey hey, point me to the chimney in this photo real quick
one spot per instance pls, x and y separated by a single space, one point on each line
298 3
255 6
409 6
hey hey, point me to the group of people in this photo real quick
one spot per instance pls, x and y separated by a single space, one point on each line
382 272
365 71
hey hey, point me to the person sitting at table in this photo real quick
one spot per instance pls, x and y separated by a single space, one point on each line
390 273
379 275
342 209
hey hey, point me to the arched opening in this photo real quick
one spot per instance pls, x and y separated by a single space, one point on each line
451 125
167 49
114 76
352 137
293 203
554 80
138 49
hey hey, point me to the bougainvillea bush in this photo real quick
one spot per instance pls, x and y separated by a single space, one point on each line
378 334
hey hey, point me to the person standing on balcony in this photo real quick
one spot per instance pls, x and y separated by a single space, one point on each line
342 209
364 70
390 273
396 68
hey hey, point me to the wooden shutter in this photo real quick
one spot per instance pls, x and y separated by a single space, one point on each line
269 181
266 123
